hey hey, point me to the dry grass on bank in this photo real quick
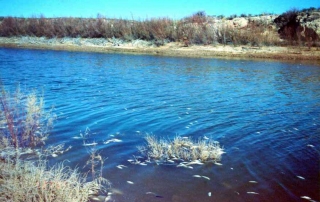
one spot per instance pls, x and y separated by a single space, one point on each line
23 120
24 125
182 149
33 181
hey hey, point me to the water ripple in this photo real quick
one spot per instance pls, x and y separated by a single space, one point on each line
265 115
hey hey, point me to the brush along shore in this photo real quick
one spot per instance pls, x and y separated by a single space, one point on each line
22 180
175 49
24 171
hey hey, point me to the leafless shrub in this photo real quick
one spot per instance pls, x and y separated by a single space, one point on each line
199 17
121 28
160 28
185 32
9 27
23 119
95 160
194 29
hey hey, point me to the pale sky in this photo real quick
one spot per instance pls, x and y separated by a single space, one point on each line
142 9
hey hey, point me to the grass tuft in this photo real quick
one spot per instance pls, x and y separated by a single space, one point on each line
33 181
181 148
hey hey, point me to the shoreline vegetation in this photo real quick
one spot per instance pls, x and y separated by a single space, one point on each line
25 174
293 35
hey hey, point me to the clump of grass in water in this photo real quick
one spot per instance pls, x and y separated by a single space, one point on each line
181 149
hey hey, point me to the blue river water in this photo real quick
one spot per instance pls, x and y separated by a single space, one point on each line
265 114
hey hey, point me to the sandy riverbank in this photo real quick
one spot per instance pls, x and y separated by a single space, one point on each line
169 49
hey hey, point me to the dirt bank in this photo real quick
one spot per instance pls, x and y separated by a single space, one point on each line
169 49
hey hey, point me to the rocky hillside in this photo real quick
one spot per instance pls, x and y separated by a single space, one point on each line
310 19
292 26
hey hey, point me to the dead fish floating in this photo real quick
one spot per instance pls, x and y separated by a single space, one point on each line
252 192
90 144
121 166
198 176
184 166
77 137
94 198
205 177
130 182
306 197
218 164
300 177
254 182
195 162
112 140
54 155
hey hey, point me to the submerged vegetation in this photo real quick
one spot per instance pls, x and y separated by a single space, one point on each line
198 28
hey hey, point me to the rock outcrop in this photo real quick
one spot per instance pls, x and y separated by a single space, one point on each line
299 26
310 19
